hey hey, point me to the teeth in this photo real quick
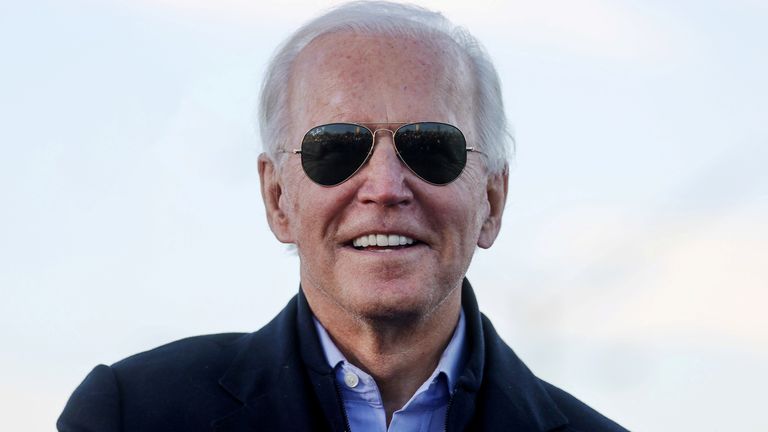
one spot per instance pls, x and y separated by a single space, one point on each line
382 240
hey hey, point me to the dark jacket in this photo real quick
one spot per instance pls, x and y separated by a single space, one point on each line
277 379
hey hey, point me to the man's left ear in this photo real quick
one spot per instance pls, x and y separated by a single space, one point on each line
496 193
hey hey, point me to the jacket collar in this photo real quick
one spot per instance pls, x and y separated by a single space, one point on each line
281 377
496 389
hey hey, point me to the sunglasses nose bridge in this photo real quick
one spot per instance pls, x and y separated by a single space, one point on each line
383 179
392 142
391 132
384 163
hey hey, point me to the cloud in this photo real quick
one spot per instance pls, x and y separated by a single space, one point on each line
699 275
711 278
595 28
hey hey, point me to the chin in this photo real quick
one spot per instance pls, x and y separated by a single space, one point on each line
393 301
390 315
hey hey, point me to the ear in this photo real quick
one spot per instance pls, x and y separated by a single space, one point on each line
271 193
496 193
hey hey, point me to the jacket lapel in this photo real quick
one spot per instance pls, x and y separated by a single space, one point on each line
497 391
321 374
280 376
269 378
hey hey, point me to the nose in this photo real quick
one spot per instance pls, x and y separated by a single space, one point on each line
385 176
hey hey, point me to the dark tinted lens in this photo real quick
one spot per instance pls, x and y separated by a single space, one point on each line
436 152
331 153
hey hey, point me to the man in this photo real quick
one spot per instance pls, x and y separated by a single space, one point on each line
385 166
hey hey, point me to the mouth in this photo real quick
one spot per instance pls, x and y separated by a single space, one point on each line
383 242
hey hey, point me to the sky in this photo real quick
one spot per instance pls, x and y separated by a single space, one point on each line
630 269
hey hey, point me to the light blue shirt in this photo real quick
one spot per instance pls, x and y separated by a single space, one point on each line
424 412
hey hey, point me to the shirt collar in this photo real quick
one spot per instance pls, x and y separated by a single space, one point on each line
451 361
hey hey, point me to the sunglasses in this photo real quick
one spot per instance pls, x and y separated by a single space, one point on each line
334 152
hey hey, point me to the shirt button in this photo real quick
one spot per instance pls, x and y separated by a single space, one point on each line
351 380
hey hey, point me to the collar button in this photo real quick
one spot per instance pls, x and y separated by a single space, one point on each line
351 380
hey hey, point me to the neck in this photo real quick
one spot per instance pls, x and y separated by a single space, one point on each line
400 354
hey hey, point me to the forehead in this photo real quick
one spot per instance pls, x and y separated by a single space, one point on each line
353 77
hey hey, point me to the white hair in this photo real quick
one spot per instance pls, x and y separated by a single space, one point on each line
394 20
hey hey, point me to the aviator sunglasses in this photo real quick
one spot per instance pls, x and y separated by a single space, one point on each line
332 153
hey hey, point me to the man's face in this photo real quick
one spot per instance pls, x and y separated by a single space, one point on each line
365 79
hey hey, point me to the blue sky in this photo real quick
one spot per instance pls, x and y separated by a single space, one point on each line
631 265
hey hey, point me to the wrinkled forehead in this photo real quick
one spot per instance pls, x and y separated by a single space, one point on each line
347 75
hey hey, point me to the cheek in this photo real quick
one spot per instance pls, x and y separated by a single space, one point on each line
461 215
474 184
314 212
470 214
293 202
470 195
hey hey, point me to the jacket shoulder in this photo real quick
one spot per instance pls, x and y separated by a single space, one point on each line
162 383
177 371
180 353
181 385
581 417
539 405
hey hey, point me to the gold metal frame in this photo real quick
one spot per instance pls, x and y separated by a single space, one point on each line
373 145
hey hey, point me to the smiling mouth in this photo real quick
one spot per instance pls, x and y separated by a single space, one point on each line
383 242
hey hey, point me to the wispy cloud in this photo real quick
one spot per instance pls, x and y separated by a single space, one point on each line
597 28
619 275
